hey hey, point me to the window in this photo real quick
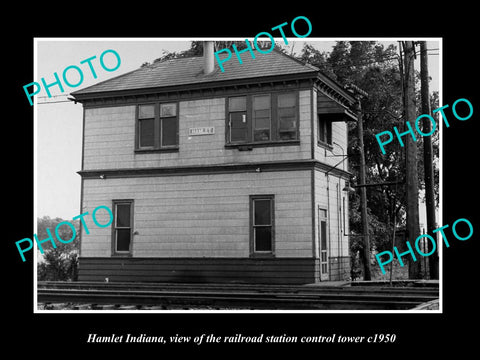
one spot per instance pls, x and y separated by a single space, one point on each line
157 127
146 124
237 118
168 125
262 225
324 130
122 227
287 116
263 118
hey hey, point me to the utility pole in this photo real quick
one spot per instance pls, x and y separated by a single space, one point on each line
413 225
428 160
363 190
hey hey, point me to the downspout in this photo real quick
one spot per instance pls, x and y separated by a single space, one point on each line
339 214
339 219
328 222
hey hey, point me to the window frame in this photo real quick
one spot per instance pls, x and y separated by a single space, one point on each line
228 133
296 108
275 139
116 202
327 125
255 118
253 252
138 122
157 128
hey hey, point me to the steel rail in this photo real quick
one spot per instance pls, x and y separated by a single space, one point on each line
243 299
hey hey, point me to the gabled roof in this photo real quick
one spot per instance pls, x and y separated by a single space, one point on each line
189 71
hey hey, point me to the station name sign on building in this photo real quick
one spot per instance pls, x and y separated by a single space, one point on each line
208 130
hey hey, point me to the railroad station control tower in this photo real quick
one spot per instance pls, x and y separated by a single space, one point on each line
216 176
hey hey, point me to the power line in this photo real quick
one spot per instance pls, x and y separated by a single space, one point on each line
381 60
51 96
54 102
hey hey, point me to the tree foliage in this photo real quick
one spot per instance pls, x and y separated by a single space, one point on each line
58 263
196 49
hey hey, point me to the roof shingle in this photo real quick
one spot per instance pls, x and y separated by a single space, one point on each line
185 71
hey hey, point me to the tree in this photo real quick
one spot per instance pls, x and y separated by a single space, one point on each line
309 54
374 68
58 263
196 49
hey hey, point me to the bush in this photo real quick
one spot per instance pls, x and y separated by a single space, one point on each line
60 263
58 266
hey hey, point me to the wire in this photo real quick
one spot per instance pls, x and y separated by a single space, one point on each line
384 59
54 96
54 102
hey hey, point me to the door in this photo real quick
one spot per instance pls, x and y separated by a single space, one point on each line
322 237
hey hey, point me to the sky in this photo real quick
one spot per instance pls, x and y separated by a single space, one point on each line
58 125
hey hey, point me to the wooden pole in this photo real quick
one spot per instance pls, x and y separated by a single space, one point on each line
363 196
428 160
413 223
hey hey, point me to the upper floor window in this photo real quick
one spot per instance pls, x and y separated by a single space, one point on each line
262 118
146 126
237 118
157 127
287 116
324 130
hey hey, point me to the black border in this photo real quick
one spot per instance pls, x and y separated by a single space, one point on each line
419 334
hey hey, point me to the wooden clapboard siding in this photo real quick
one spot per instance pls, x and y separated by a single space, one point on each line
339 137
220 270
109 138
339 268
338 241
201 215
326 105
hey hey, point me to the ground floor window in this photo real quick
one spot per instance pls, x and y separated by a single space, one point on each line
262 229
122 227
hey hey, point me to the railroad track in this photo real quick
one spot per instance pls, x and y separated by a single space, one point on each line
238 296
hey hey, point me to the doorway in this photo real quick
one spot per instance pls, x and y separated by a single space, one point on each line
323 249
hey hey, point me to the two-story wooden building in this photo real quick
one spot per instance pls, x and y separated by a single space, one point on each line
233 176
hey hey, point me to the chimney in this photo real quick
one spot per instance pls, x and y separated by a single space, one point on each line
208 61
